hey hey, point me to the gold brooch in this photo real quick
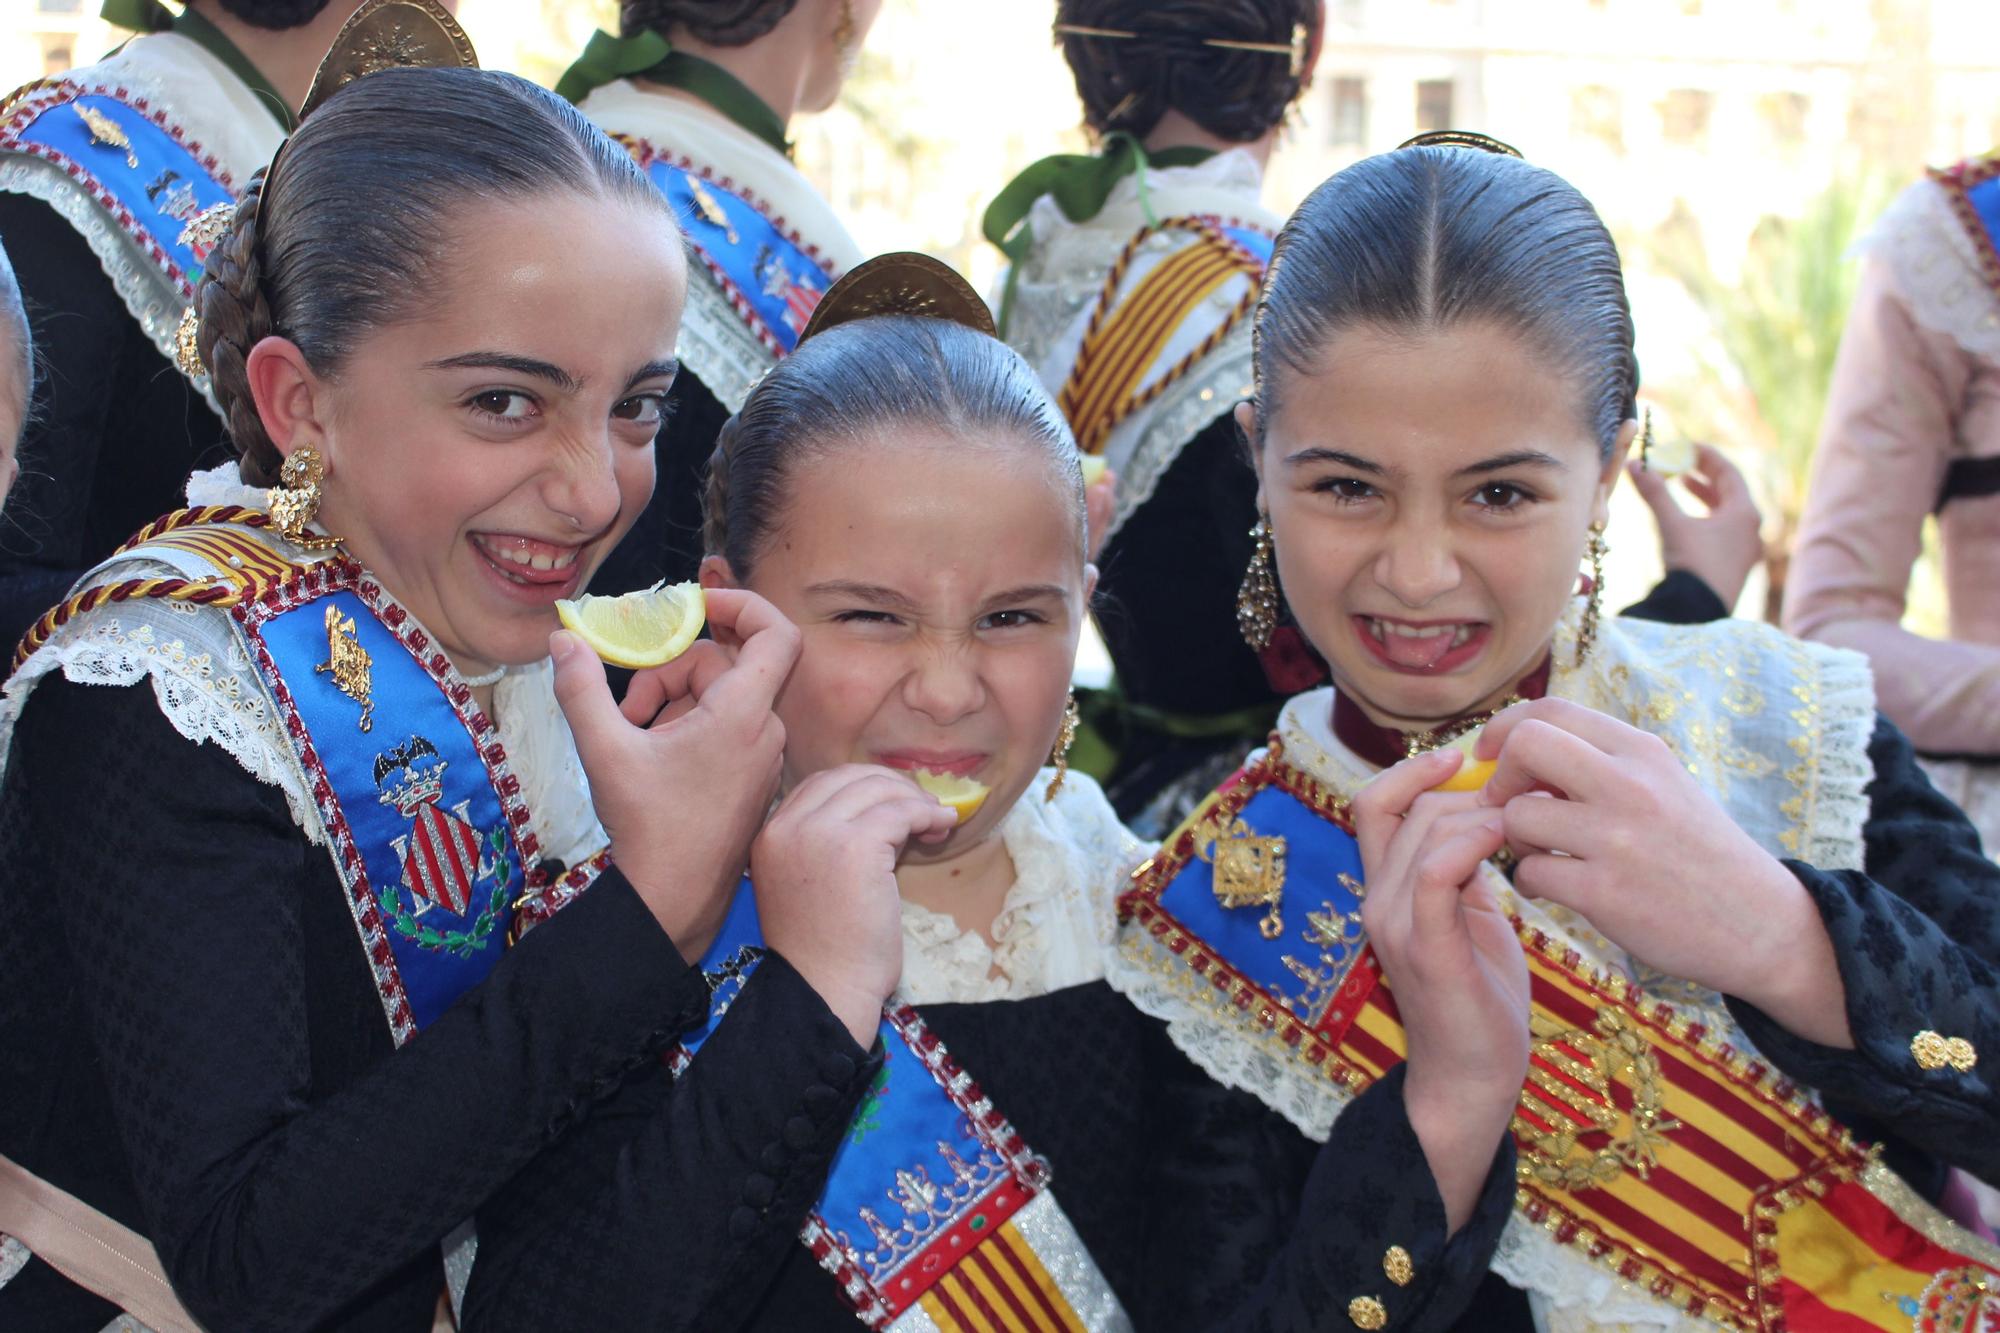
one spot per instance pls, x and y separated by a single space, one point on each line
104 130
1249 872
187 351
348 663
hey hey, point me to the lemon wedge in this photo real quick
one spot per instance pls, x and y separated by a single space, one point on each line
1473 773
965 795
640 629
1671 457
1093 469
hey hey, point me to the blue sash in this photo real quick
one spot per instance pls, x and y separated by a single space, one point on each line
1257 243
772 280
136 168
423 818
929 1172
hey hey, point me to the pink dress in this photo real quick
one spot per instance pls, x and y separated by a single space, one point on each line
1912 428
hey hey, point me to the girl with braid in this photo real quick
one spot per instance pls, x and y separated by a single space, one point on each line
278 778
113 178
1033 1151
702 92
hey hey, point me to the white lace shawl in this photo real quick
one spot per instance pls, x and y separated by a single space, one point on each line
1775 729
1059 924
1059 284
209 689
1937 268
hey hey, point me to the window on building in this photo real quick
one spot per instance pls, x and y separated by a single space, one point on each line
1350 113
57 54
1784 117
1433 105
1684 116
1597 114
59 6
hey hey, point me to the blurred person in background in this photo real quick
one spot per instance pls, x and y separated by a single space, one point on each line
116 180
1912 429
703 92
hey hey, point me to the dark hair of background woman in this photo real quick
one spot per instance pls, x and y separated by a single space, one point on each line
1424 238
856 381
349 229
1128 84
722 22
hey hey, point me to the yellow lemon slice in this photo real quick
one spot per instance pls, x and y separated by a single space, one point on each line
1093 469
1670 456
640 629
964 795
1473 773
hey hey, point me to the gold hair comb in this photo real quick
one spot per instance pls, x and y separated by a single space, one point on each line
1485 143
900 283
390 34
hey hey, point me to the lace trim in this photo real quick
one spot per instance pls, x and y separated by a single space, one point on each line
717 345
1937 269
1057 927
153 300
14 1257
202 678
1226 378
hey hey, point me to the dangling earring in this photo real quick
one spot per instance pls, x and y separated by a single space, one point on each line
1646 439
294 501
1257 596
1587 635
1064 739
844 45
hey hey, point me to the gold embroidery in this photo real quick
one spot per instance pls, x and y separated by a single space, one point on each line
1249 871
1566 1059
104 130
349 664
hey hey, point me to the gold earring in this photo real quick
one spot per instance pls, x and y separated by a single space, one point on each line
187 352
1646 439
1257 597
843 36
1586 637
294 501
1064 739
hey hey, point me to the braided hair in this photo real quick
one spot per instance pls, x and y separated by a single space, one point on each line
1128 84
348 231
1425 238
855 382
717 22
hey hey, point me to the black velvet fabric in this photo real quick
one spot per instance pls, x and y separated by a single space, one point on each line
1916 932
113 429
1203 1208
1166 605
195 1046
665 544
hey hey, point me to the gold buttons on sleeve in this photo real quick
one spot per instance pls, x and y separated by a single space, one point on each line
1959 1052
1932 1050
1396 1264
1367 1312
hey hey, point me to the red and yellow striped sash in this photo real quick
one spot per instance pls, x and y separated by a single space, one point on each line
1124 339
1002 1286
1646 1142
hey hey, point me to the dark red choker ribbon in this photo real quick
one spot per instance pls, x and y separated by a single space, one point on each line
1383 746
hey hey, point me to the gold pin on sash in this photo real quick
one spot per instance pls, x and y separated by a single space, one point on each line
1249 871
105 132
711 212
349 664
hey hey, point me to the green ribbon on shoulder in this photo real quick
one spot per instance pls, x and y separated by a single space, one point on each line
141 16
647 55
606 59
150 16
1079 183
